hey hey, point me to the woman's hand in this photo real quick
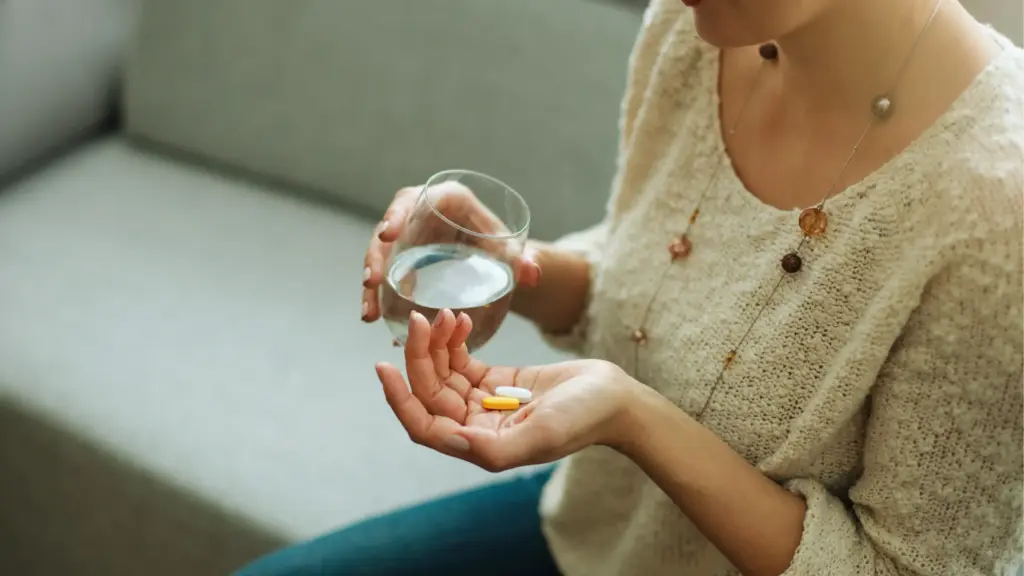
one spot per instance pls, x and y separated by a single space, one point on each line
575 404
459 205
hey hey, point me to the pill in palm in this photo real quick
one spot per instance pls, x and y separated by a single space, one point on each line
500 403
521 394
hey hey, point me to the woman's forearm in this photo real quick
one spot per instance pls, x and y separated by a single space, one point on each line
556 303
753 521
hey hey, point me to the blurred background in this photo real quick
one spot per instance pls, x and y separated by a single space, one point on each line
187 188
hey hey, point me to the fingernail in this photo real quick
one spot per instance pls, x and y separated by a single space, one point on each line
530 276
366 309
383 227
457 443
366 275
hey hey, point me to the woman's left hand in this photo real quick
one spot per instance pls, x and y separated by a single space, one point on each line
575 404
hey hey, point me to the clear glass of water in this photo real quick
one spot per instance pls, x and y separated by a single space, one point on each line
459 250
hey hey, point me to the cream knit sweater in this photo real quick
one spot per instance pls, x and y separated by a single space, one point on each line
884 381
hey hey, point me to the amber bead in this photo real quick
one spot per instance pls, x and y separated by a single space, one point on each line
813 222
639 336
694 215
730 358
680 248
769 51
792 263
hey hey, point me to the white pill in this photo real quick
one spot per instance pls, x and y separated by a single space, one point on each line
521 394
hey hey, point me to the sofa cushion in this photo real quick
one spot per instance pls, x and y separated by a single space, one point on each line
358 98
207 330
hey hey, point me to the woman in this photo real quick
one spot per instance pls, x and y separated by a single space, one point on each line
802 317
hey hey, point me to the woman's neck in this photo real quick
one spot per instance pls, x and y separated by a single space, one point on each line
854 52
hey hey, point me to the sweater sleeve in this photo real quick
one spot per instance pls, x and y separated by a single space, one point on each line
659 19
940 491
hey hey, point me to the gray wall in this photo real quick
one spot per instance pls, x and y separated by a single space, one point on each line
1006 15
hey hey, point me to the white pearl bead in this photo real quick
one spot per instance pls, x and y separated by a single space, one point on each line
881 107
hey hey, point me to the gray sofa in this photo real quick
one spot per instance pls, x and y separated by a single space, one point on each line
186 191
184 379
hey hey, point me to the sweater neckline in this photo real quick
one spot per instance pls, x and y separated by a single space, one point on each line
955 113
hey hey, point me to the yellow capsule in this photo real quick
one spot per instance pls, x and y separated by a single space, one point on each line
500 403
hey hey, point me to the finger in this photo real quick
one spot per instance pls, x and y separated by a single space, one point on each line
373 263
434 432
527 269
418 362
444 325
463 326
458 204
409 410
482 220
427 384
370 308
442 354
391 224
386 232
460 360
394 219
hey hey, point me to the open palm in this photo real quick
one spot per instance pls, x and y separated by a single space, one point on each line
444 408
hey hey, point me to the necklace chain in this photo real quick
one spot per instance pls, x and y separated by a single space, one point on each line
815 218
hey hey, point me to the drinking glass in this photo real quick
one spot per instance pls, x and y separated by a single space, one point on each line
458 250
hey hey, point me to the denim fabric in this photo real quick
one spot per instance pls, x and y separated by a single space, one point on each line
493 530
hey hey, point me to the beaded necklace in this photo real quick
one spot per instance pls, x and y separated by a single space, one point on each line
813 221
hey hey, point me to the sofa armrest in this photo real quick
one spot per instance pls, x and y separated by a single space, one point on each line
59 63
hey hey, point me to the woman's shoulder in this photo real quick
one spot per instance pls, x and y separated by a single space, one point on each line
954 200
669 61
668 30
984 129
973 162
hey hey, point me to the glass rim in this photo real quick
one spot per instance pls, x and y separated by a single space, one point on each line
522 229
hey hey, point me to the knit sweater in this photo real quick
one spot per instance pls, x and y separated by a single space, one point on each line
882 383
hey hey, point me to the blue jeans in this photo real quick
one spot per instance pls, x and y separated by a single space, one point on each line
493 530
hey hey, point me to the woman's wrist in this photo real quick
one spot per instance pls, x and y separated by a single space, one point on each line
557 301
640 407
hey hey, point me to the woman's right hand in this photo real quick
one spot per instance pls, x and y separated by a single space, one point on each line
458 202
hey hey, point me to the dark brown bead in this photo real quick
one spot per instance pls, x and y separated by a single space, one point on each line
792 263
769 51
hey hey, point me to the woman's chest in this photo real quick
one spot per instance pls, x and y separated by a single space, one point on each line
726 333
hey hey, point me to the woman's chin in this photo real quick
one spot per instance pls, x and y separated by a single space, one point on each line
719 29
710 30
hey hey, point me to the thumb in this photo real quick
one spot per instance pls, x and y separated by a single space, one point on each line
527 269
507 448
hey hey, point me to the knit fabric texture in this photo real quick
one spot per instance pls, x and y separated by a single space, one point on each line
883 383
